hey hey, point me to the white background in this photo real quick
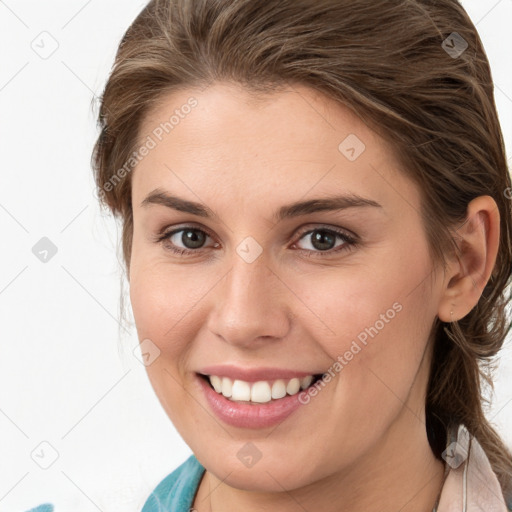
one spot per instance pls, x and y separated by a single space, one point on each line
67 376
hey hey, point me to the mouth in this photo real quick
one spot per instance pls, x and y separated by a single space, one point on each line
259 392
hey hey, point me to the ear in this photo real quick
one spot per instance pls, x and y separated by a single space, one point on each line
470 269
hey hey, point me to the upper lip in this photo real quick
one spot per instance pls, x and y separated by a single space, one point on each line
253 374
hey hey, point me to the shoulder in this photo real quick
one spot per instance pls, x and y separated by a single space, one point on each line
45 507
470 478
174 493
177 490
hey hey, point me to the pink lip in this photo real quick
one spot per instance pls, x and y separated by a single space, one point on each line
246 415
252 374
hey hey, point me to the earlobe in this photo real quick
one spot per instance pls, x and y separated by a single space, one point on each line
469 271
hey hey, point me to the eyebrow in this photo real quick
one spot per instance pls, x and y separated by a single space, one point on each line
335 203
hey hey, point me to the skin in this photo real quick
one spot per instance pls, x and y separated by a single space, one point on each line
362 441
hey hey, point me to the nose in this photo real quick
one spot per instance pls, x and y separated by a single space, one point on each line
251 306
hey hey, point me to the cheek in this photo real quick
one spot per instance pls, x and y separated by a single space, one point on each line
157 295
381 320
362 304
373 319
166 303
163 309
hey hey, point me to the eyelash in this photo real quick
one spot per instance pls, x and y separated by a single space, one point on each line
350 242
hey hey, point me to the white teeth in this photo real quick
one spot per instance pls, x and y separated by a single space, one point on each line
241 390
216 383
227 386
293 386
278 389
258 392
306 382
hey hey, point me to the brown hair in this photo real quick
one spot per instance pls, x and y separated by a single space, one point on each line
387 62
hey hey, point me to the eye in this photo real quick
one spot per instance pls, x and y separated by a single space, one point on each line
190 237
321 241
326 240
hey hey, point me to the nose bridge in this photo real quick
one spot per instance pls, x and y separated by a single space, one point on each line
249 303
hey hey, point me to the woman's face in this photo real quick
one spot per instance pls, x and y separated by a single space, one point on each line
277 289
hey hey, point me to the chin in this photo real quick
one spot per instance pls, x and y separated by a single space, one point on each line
264 476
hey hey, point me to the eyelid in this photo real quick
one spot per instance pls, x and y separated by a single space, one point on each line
336 229
169 230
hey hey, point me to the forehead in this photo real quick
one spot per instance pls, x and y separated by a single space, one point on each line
226 108
291 141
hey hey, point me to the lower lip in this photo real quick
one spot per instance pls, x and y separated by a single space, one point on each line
249 415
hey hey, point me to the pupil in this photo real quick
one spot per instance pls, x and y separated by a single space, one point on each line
192 239
323 240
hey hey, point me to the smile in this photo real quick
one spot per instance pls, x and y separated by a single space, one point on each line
262 391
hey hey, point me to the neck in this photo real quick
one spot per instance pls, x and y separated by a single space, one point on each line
401 473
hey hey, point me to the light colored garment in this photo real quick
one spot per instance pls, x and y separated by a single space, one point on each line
470 485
